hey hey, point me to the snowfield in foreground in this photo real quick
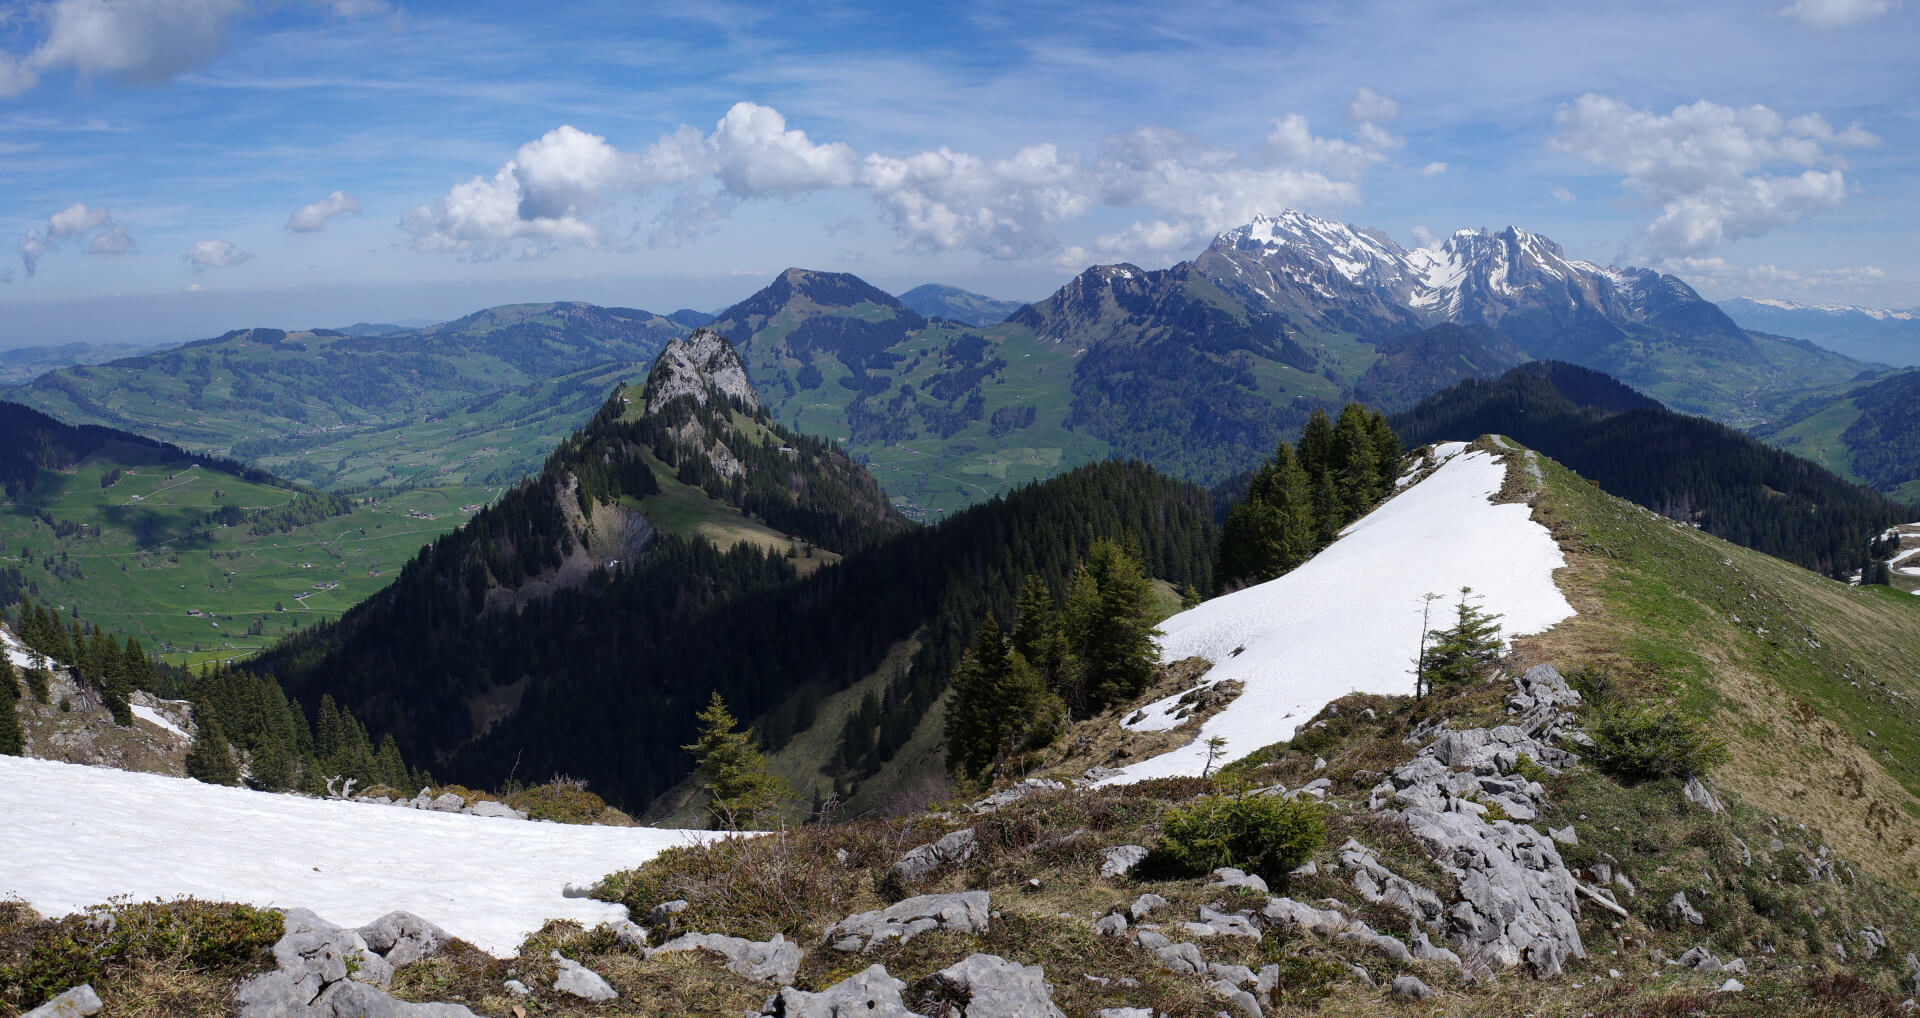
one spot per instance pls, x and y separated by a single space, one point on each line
1348 620
72 836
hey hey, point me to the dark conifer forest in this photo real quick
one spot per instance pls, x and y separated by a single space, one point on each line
1688 468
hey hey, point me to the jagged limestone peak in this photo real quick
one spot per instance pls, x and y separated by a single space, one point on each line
697 365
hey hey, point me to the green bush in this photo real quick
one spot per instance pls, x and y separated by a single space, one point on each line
1262 834
42 958
1640 743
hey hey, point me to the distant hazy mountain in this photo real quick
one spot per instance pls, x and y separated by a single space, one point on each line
1870 334
23 362
932 300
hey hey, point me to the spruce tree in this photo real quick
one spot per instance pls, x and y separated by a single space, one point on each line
211 759
741 790
1112 634
1271 530
12 742
1465 650
999 707
1036 631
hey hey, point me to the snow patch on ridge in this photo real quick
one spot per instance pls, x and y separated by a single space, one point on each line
75 836
1349 619
146 713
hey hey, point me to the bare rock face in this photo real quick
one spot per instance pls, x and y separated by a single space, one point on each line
922 862
997 988
329 972
697 366
965 912
772 961
1518 902
868 994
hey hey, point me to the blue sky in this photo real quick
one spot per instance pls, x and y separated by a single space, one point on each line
174 168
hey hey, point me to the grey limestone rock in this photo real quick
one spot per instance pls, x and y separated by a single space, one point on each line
667 914
1112 925
1144 905
489 808
868 994
1377 883
965 912
325 971
447 802
924 861
1389 946
1698 794
1411 988
81 1000
1287 911
1700 960
580 981
771 961
690 366
1120 860
1181 959
1220 924
403 938
1124 1012
1424 949
1227 876
1679 907
1015 793
516 987
630 934
997 988
1732 986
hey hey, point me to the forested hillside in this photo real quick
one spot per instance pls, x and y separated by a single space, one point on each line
1689 468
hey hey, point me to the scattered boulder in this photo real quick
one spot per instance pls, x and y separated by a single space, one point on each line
1680 908
772 961
580 981
1424 949
997 988
1111 925
446 802
965 912
1359 933
1411 988
489 808
403 938
1124 1012
1377 883
1700 959
869 994
922 862
1732 986
1220 924
1121 860
1015 793
1325 922
1564 835
630 934
1144 905
1180 959
516 987
325 971
1227 876
667 915
1698 794
79 1001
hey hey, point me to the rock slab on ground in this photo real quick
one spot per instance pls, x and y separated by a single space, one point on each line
868 994
771 961
997 988
75 1003
964 912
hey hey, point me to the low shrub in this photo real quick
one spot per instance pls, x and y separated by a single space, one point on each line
561 803
42 958
1262 834
1636 743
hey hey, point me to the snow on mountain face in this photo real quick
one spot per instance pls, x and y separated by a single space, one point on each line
1877 314
1349 619
1477 276
75 836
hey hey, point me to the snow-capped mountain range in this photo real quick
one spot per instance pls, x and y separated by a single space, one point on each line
1292 261
1877 314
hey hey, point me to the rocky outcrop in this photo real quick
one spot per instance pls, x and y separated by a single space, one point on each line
573 978
75 1003
1464 798
771 961
994 987
325 971
926 860
700 365
1121 860
965 912
403 938
868 994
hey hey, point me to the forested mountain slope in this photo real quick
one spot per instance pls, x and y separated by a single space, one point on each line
492 646
1687 468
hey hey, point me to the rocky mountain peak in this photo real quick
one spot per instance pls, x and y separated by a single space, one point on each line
699 366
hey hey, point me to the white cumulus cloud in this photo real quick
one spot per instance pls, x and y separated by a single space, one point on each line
1830 14
213 254
560 190
313 218
1713 172
75 222
1433 169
